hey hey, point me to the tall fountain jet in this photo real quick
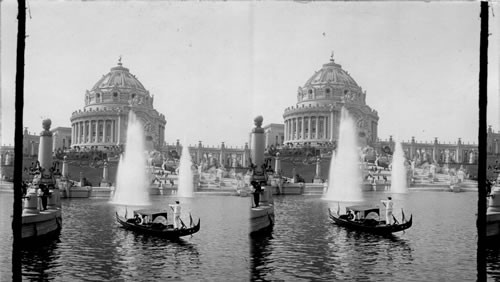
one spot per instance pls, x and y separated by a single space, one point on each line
398 173
185 188
345 176
132 181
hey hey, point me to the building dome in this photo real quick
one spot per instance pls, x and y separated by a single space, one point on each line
331 73
315 119
328 85
103 120
120 77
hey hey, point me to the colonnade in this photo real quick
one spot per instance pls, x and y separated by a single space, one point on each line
310 127
96 131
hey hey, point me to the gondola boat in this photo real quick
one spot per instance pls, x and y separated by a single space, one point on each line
367 219
154 222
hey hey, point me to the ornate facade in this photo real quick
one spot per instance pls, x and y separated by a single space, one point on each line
229 157
439 152
316 117
103 120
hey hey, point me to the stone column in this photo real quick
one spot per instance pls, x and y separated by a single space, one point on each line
89 132
198 155
296 128
309 127
105 124
302 130
45 147
96 131
258 144
285 130
412 147
73 131
317 127
118 139
324 127
113 128
221 156
332 122
80 132
287 136
77 135
296 121
85 133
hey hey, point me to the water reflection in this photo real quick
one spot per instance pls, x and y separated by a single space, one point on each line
260 250
492 262
167 259
304 245
40 260
361 256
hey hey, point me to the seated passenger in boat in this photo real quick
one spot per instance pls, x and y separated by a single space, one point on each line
349 215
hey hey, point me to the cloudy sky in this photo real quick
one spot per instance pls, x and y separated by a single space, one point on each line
214 66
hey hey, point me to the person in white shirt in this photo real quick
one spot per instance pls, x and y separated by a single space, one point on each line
177 214
388 210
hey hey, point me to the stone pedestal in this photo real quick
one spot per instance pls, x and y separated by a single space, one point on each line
54 201
81 179
30 202
277 164
64 169
317 177
494 201
266 196
105 181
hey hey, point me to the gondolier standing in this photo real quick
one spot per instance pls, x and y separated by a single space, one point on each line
388 210
177 214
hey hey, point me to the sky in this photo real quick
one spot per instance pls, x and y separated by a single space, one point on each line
213 66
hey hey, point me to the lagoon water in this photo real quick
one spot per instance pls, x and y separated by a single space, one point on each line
304 245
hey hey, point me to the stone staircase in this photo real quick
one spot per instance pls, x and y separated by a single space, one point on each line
422 178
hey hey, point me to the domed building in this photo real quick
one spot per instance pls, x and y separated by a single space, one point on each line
103 120
316 117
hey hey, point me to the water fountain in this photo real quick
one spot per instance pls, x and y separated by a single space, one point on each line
345 176
131 179
398 173
185 187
